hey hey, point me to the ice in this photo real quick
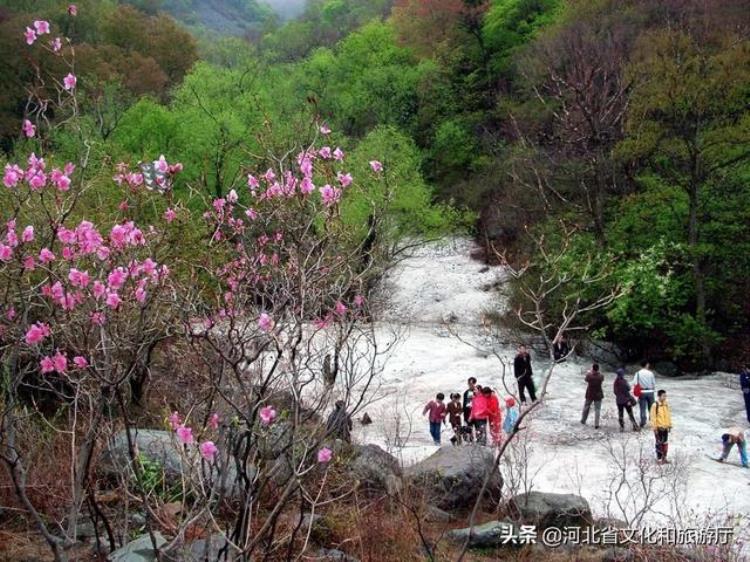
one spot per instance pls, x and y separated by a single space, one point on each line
441 282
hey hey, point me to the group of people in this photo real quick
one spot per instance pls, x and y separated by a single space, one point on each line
478 417
472 418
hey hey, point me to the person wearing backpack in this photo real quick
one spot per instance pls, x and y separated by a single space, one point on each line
624 400
661 423
644 385
594 395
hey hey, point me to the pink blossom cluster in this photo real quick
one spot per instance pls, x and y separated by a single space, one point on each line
184 433
36 176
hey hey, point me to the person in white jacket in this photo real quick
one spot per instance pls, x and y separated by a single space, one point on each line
647 381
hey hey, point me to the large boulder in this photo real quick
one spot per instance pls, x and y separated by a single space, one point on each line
489 535
551 510
452 476
666 368
604 352
376 469
138 550
215 547
161 448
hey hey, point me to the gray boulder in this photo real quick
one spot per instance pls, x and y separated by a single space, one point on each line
452 476
376 469
434 514
489 535
139 550
161 448
604 352
551 510
211 549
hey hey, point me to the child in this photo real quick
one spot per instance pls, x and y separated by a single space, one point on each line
511 415
436 409
730 438
661 423
455 409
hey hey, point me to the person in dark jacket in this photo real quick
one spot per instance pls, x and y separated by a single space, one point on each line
524 374
625 401
468 397
745 386
594 395
560 348
339 424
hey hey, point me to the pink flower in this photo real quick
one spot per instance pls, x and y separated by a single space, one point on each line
98 318
28 234
13 174
325 129
99 289
252 182
28 129
340 308
36 333
10 314
80 362
69 82
344 179
269 175
41 27
325 455
78 278
161 165
359 300
73 10
330 195
56 44
322 323
208 450
213 421
116 278
306 186
113 300
265 322
30 35
338 154
325 152
232 196
28 263
376 166
6 252
47 365
170 215
267 415
185 435
45 256
251 214
175 420
60 362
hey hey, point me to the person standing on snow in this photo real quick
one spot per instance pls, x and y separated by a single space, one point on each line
644 386
494 416
625 401
594 395
661 423
436 410
454 410
730 438
468 396
524 374
511 415
478 416
745 386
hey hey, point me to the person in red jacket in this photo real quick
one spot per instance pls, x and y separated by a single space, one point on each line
494 416
479 414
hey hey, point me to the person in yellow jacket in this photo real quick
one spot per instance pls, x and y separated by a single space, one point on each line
661 423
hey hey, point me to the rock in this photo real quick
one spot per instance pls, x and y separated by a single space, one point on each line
492 534
335 554
603 352
452 476
277 439
154 445
551 510
376 469
617 554
610 523
139 550
160 447
666 368
213 548
366 420
434 514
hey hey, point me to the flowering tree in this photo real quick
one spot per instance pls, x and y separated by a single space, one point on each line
276 326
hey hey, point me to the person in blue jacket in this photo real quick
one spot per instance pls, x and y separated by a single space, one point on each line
745 386
511 415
